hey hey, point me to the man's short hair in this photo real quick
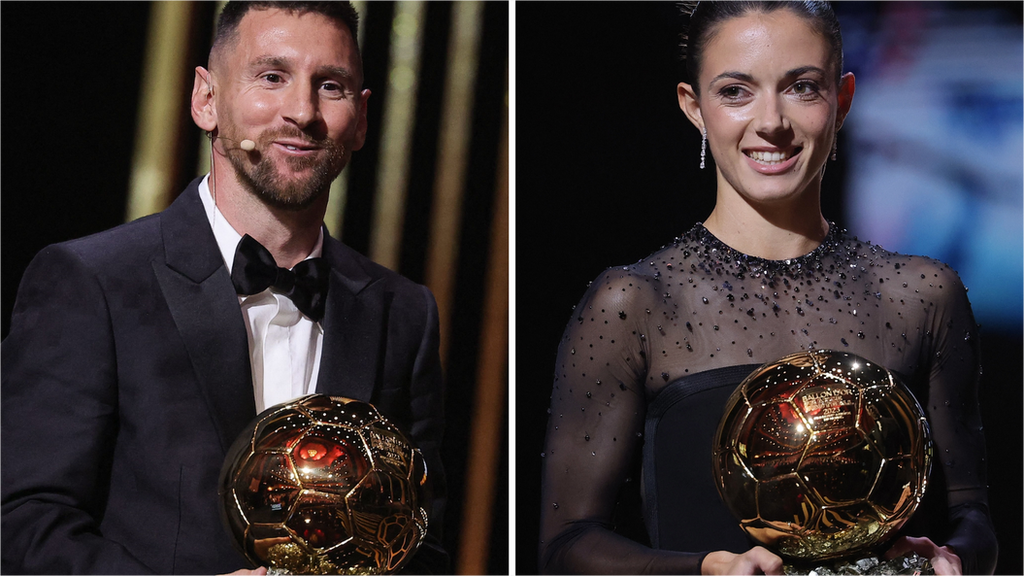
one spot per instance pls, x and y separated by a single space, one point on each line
227 23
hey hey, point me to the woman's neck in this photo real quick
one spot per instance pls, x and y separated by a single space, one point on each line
772 235
779 226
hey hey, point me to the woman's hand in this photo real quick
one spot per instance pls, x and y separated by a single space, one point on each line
757 560
944 560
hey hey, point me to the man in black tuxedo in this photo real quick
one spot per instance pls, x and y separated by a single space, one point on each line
137 355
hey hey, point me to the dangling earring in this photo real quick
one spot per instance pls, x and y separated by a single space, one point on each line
703 146
835 145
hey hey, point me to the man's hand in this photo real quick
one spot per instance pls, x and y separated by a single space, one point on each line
261 571
944 560
757 560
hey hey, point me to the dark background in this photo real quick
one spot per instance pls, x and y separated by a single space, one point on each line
73 72
607 172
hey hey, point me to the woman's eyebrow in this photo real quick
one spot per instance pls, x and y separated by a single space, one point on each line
743 76
734 75
804 70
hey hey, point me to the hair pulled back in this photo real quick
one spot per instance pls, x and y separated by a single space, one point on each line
706 16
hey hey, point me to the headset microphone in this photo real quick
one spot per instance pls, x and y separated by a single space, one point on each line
246 145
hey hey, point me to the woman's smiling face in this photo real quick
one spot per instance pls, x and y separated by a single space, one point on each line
770 105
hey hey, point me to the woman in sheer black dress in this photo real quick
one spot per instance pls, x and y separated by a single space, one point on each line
654 348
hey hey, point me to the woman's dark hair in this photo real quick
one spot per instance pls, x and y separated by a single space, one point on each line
706 16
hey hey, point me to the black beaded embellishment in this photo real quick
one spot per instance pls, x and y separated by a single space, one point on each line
714 255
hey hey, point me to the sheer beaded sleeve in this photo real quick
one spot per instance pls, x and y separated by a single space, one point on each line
697 309
951 404
594 431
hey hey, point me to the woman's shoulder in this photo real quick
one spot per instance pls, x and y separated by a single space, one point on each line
905 264
626 286
919 274
622 286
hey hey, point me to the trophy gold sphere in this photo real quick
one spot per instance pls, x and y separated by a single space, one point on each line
324 485
822 455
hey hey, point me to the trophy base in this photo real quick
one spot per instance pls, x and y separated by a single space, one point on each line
272 571
909 563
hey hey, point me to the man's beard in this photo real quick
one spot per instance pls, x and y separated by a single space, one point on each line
297 192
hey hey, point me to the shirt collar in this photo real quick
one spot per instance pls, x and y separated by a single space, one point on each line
226 235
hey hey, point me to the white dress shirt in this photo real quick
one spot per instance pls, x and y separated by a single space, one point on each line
284 344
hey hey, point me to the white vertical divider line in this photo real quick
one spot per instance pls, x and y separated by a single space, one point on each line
511 296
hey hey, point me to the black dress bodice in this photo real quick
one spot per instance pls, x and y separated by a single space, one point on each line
653 350
678 432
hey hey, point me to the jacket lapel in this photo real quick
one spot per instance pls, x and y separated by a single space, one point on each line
203 303
353 323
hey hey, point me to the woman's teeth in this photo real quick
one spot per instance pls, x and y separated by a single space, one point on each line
769 157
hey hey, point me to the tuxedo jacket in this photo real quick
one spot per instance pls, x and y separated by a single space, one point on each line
126 377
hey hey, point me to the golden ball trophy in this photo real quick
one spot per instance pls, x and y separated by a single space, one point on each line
822 456
324 485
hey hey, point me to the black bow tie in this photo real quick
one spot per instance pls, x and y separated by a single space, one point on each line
254 270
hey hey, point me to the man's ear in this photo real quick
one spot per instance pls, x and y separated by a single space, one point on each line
361 124
204 110
690 105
